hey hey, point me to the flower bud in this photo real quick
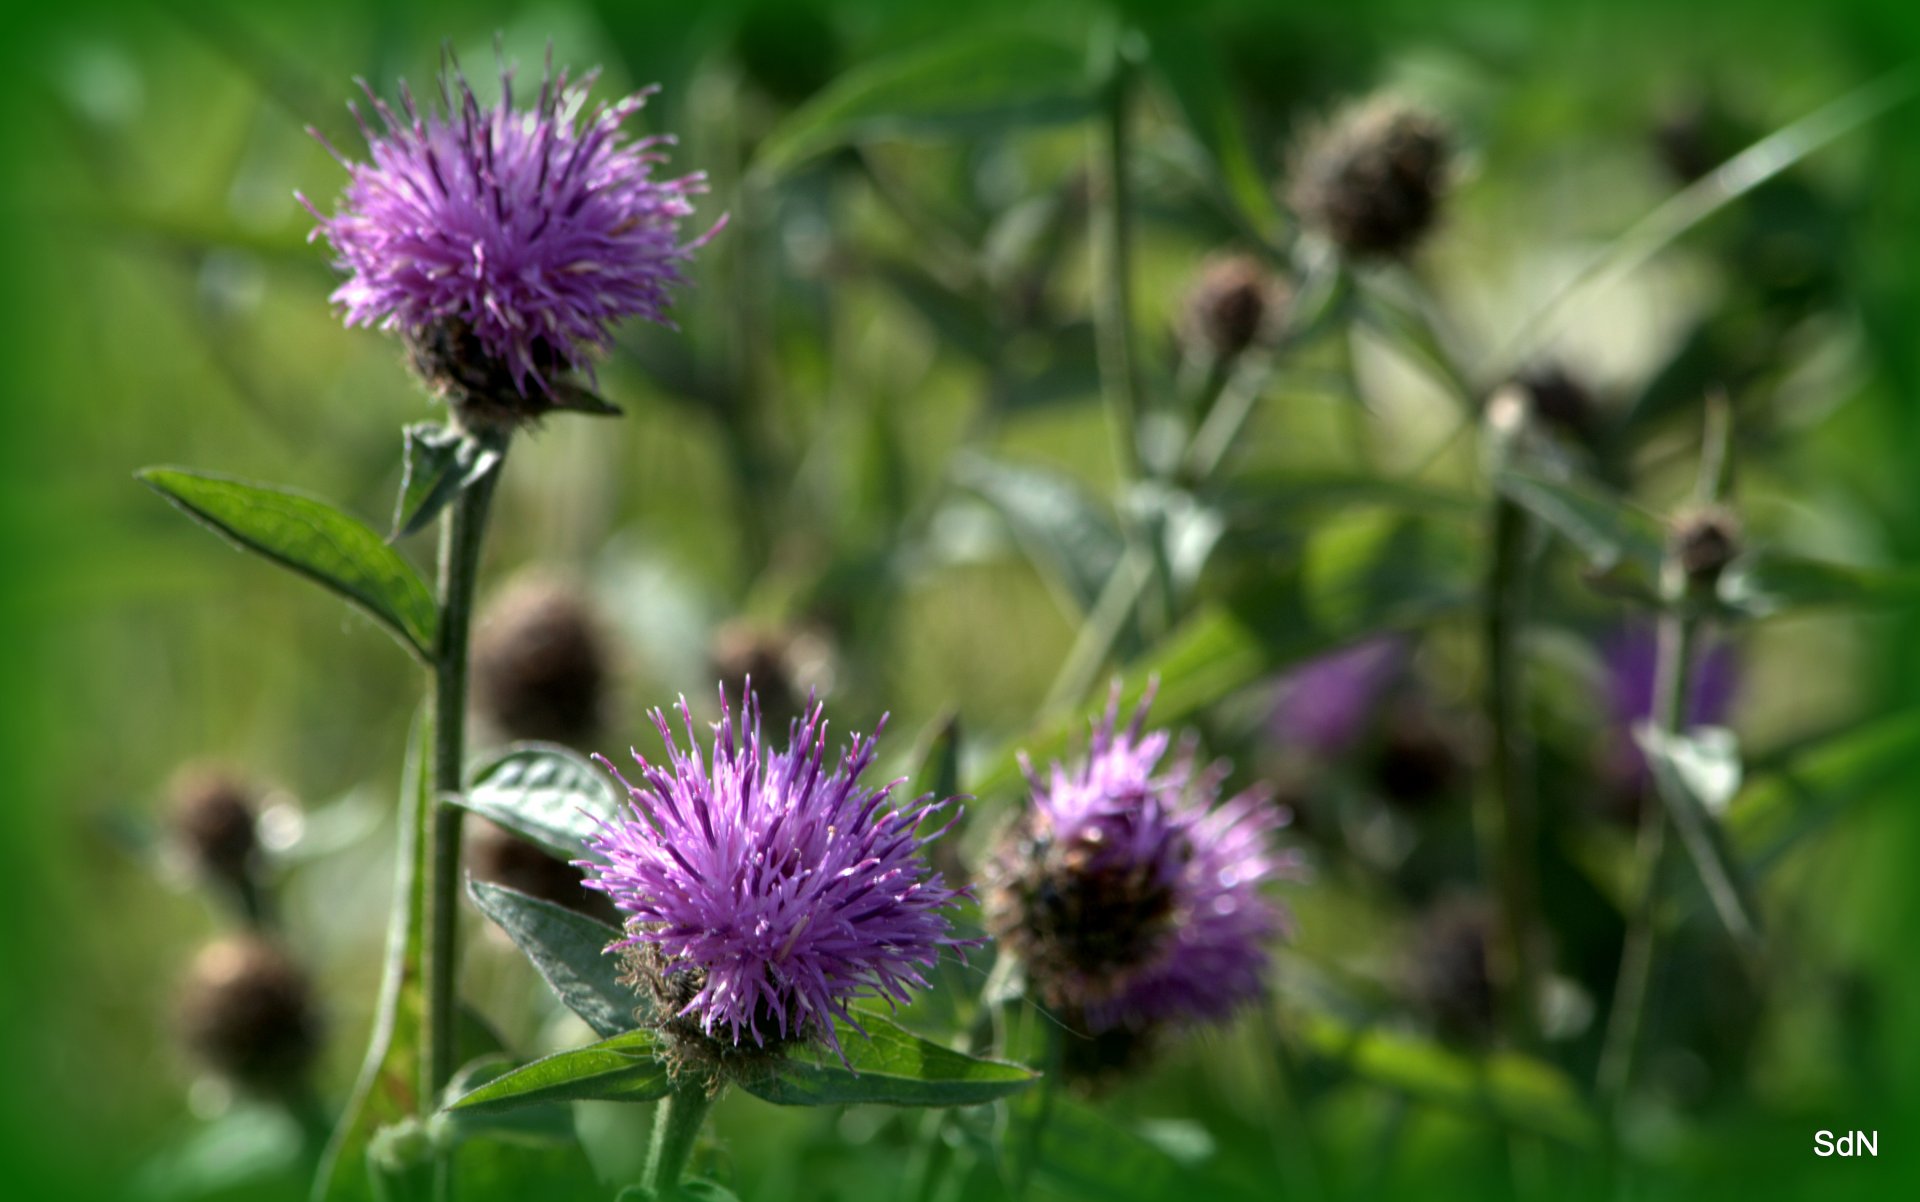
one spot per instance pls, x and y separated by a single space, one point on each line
1560 402
540 663
500 857
786 667
247 1012
1370 180
1703 541
1235 302
210 822
1422 758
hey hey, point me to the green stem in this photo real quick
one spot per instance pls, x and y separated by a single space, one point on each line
676 1125
1113 271
1043 1098
462 533
1507 817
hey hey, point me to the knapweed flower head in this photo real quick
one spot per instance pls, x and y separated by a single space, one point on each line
503 243
1130 896
764 890
1370 179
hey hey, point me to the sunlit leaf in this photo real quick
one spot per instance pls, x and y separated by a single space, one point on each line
314 539
545 793
625 1068
569 950
1679 768
1613 536
890 1066
439 461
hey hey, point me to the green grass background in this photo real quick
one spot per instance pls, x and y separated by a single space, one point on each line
132 150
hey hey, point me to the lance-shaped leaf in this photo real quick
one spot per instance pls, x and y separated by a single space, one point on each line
625 1068
1678 777
387 1091
547 1124
1768 583
569 950
439 461
891 1066
314 539
1073 543
1797 794
1617 539
544 793
957 87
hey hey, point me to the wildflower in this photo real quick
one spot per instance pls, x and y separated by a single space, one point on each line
1325 704
247 1012
540 663
502 244
764 891
1235 302
1130 896
1370 180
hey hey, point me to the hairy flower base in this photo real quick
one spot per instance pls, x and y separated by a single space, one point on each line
690 1053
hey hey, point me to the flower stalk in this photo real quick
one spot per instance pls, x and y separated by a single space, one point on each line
463 532
676 1127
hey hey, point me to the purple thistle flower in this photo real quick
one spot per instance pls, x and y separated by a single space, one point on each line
1130 895
1324 704
772 888
504 243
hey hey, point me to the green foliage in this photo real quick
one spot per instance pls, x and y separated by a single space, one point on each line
314 539
438 461
889 1065
570 951
545 793
625 1068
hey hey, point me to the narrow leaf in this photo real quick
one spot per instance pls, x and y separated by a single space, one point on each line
569 950
960 86
1614 536
1070 539
625 1068
1766 584
891 1066
314 539
387 1090
543 1124
546 793
1700 831
439 461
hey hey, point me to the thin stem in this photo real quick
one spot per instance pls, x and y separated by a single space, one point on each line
1113 270
1036 1127
1507 817
676 1125
1672 666
462 533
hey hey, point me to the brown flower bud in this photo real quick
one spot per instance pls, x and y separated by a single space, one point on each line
1704 540
210 820
500 857
1236 301
247 1012
540 663
1371 179
1560 402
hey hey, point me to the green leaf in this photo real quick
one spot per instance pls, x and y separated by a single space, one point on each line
963 86
1192 70
1679 768
545 793
314 539
1790 800
440 461
625 1068
387 1091
1766 584
1085 1154
1070 539
1616 538
538 1124
1515 1090
569 950
890 1066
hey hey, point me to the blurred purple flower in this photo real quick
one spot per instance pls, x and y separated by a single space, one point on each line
1324 704
1631 655
785 887
1133 898
528 232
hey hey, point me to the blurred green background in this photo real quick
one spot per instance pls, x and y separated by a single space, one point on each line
788 464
